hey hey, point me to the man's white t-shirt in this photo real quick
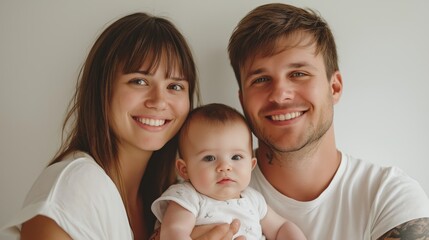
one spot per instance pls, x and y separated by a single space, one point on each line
363 201
80 197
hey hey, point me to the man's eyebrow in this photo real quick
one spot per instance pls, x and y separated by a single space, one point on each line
254 72
290 65
298 65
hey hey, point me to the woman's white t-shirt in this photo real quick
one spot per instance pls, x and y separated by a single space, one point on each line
80 197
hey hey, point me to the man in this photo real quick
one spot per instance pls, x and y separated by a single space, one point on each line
285 62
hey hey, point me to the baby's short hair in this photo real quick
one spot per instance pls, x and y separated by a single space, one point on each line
213 113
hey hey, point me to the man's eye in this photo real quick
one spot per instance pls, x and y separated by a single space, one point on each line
261 79
237 157
176 87
209 158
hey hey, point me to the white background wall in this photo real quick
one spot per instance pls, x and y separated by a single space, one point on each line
383 47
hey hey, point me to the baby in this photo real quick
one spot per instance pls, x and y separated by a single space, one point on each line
215 148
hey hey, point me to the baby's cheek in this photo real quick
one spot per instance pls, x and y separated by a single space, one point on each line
203 181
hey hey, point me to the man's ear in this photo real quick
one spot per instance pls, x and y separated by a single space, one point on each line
181 168
253 163
336 85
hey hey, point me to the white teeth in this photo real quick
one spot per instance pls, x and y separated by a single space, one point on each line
151 122
287 116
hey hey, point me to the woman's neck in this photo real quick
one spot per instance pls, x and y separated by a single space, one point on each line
133 166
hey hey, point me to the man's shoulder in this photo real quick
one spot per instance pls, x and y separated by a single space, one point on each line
369 171
382 182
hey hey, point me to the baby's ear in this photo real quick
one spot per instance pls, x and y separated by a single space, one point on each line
254 161
181 168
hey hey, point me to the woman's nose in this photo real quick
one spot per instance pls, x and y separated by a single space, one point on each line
156 99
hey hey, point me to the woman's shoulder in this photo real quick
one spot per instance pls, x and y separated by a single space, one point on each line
77 172
79 167
79 196
76 187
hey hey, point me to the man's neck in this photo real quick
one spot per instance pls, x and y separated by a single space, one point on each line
302 175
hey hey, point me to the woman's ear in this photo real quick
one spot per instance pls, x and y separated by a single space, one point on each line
181 168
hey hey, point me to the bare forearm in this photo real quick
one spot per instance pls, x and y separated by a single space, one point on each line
174 233
167 234
290 231
412 230
206 232
41 227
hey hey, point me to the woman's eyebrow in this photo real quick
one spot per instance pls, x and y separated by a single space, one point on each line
145 72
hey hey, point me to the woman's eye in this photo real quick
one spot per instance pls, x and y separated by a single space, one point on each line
209 158
176 87
138 81
237 157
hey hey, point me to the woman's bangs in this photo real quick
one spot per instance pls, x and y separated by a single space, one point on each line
147 54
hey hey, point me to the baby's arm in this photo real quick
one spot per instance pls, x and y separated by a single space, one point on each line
177 222
276 227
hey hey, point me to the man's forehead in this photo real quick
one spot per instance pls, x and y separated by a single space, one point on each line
289 42
298 39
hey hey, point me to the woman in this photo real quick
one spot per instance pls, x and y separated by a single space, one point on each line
136 88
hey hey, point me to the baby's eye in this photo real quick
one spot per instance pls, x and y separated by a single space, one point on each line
139 81
176 87
209 158
298 74
237 157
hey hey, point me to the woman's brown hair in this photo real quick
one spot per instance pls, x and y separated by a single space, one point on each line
123 47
